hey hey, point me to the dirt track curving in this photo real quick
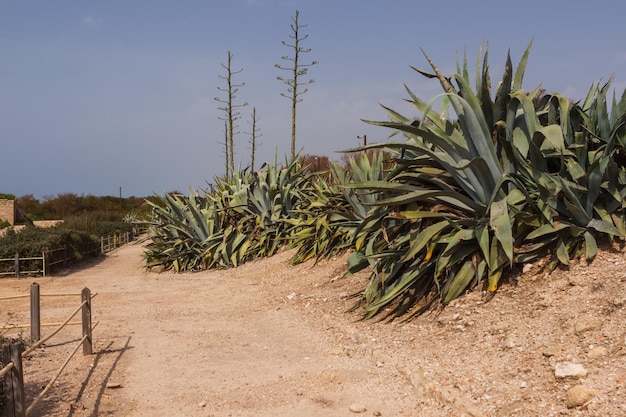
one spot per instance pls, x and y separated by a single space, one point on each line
269 339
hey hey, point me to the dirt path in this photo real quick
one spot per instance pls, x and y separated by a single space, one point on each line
269 339
206 344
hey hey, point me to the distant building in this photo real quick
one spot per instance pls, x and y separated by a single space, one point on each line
7 211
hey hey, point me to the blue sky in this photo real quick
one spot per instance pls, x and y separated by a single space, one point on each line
98 95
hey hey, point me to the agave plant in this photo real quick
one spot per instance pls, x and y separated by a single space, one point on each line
182 233
331 212
579 182
243 218
275 198
508 180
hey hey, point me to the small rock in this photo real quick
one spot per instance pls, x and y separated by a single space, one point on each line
579 395
114 385
569 369
549 352
596 352
584 326
202 404
291 296
377 413
527 268
547 300
357 408
578 281
510 342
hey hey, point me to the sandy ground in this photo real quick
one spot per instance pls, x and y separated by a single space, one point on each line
269 339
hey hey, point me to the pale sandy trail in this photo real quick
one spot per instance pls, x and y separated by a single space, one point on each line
218 343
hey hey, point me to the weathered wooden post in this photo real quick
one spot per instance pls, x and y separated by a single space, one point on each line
17 265
13 381
102 245
86 319
43 262
35 313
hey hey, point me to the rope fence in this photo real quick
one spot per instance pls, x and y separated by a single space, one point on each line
6 369
41 265
51 335
13 353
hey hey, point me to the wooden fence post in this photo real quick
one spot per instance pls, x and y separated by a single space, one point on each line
35 313
13 381
17 265
86 319
43 262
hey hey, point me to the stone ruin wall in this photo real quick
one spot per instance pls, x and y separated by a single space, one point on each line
7 211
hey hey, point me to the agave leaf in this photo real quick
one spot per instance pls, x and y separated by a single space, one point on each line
597 173
419 214
423 238
526 116
459 282
561 252
475 130
482 236
604 226
501 225
521 68
493 279
403 283
553 139
591 247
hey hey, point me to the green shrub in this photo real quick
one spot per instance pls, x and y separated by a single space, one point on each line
31 242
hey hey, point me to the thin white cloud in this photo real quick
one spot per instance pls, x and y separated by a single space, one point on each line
91 22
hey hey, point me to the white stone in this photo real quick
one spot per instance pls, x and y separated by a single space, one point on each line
569 369
357 408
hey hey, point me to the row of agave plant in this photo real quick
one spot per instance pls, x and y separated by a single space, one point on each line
459 202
